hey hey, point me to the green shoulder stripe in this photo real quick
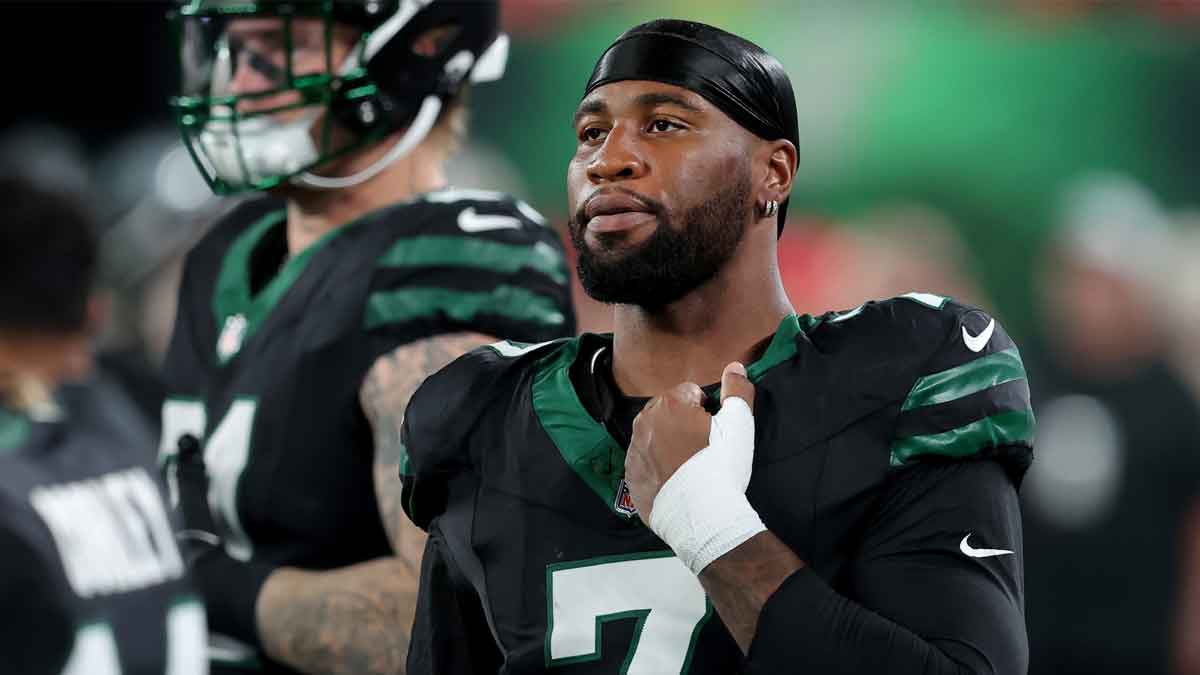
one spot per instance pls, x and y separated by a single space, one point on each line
966 379
405 462
511 302
14 430
430 251
999 429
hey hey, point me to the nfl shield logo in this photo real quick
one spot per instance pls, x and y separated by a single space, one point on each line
624 501
231 337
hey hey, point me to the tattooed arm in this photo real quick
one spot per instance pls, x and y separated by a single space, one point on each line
357 619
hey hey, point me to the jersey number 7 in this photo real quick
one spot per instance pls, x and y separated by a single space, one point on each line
655 588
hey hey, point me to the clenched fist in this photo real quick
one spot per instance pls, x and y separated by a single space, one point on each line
671 429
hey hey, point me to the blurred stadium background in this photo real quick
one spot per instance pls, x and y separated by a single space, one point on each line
1038 158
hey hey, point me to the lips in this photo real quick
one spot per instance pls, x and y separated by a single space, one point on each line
615 212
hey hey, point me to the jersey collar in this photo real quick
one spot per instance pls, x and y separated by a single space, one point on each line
584 443
238 310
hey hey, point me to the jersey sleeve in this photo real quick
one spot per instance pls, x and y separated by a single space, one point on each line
935 588
969 398
486 264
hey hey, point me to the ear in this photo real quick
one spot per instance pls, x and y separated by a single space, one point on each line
781 158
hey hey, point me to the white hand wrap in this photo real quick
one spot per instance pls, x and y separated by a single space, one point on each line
702 512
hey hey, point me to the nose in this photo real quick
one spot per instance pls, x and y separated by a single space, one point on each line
619 158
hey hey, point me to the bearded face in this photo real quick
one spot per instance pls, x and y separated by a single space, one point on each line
686 249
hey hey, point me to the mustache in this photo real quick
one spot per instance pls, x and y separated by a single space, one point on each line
652 205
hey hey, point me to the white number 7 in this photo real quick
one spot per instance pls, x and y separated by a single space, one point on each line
667 599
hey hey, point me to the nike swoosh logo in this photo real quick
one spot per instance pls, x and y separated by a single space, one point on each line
976 343
469 221
972 552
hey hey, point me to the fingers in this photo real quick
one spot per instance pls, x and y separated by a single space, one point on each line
734 383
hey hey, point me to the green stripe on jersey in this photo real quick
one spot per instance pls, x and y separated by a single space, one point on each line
966 379
511 302
584 444
405 462
14 430
429 251
999 429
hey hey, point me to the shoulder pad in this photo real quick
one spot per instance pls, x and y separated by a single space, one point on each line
481 212
969 398
953 370
487 265
444 411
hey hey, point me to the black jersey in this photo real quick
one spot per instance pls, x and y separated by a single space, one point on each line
536 559
269 354
91 580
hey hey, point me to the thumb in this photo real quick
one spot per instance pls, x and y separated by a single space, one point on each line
735 383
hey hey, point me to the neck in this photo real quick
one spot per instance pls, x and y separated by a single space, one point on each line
730 318
311 214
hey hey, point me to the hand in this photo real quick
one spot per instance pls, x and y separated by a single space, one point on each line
229 587
199 535
670 430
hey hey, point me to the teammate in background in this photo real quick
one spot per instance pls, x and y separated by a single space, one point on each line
304 327
92 579
577 525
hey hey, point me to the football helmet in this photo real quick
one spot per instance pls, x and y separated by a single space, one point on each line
272 89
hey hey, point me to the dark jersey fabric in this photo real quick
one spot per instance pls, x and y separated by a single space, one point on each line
269 354
890 442
75 603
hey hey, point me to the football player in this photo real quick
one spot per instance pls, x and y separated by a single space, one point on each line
307 319
91 579
854 507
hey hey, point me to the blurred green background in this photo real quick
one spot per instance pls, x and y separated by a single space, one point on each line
981 110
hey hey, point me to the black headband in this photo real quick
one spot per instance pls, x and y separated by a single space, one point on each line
739 84
677 60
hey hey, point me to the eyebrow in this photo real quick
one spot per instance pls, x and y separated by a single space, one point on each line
650 100
591 107
661 98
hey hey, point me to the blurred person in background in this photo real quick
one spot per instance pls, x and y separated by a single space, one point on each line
92 581
155 208
1179 290
1185 633
907 247
1177 285
306 319
1118 439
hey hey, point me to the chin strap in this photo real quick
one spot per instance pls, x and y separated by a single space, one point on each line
421 125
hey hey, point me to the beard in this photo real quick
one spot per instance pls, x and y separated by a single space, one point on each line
680 255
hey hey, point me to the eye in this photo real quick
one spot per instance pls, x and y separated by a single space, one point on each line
663 126
592 134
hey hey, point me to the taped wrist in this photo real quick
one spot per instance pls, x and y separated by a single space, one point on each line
702 512
230 590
